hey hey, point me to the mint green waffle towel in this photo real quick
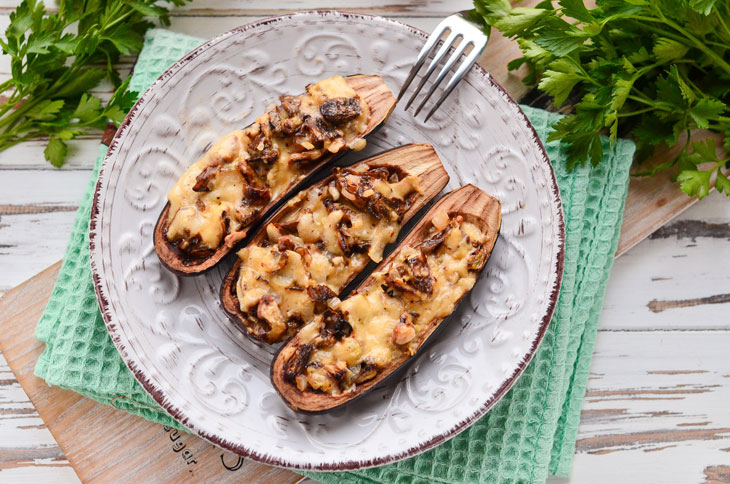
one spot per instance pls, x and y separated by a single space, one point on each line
531 432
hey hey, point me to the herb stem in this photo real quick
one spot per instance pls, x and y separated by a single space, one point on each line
637 112
642 99
50 63
669 35
117 20
9 142
700 45
6 85
13 118
724 26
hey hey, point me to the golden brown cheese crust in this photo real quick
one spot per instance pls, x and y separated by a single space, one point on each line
384 321
327 236
227 189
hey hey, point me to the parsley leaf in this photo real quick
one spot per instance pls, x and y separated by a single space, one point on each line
560 78
667 50
576 9
519 19
652 70
55 151
89 107
722 183
702 6
706 110
57 58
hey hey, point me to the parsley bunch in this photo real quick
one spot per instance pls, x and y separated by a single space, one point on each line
650 69
56 59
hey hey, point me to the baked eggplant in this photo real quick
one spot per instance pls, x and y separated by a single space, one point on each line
351 347
312 248
248 172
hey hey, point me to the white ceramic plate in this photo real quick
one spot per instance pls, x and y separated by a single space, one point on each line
173 333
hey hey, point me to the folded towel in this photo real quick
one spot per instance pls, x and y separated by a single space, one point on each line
529 433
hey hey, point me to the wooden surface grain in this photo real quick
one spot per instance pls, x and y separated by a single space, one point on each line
659 393
147 451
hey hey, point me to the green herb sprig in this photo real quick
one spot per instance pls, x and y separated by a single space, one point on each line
57 58
650 69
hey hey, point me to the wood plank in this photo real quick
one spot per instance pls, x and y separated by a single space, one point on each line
27 448
53 187
30 242
208 27
672 280
29 155
145 449
434 8
39 474
656 409
653 201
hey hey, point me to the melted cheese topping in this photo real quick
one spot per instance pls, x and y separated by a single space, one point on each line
203 218
388 323
329 239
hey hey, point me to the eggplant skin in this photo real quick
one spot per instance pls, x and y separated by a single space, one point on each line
381 101
476 207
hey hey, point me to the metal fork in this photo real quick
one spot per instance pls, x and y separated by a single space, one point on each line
459 27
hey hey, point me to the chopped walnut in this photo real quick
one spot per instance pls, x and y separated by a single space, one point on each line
297 363
286 243
358 188
204 178
367 371
477 257
433 242
404 332
269 311
317 130
262 150
286 126
287 228
256 196
335 325
193 248
320 294
340 109
411 275
290 104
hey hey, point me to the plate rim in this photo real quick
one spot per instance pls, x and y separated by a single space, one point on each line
344 465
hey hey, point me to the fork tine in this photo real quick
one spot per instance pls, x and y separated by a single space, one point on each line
447 67
460 72
423 55
440 54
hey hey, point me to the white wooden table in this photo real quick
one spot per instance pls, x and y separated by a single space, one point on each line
658 402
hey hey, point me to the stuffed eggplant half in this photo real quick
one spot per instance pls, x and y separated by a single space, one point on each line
246 173
352 346
295 267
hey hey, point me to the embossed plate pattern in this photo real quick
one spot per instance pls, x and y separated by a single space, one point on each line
172 331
